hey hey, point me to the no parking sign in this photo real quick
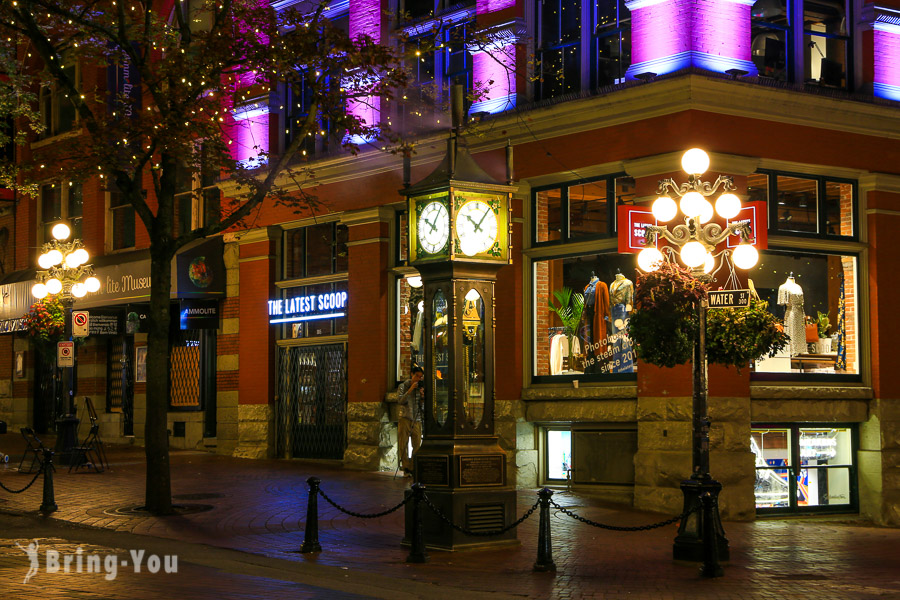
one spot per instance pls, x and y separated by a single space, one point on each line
80 323
65 354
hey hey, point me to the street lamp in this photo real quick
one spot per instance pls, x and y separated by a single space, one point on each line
697 239
65 274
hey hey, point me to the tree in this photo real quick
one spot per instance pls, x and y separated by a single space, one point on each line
195 61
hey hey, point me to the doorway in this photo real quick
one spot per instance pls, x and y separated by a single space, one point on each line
120 392
805 468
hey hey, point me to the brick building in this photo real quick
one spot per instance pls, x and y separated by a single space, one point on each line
795 99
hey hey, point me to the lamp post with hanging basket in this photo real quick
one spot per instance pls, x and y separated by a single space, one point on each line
698 237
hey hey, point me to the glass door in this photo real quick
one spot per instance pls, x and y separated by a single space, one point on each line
805 468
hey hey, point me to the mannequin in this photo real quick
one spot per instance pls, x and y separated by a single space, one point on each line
790 295
621 295
417 328
596 313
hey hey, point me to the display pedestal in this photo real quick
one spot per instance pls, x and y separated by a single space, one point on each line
688 544
466 480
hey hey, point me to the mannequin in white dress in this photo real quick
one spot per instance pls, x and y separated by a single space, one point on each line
790 295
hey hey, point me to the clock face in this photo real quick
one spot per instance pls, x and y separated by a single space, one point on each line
476 227
433 227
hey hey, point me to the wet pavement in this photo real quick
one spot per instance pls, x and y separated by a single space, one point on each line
246 543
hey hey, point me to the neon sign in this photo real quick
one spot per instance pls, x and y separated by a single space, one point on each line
308 308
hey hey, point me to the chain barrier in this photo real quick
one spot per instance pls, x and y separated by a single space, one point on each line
30 483
362 515
618 528
466 531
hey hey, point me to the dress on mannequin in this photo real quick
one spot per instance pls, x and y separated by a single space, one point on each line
596 313
621 295
790 295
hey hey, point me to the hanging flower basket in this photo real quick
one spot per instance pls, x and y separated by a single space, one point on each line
738 336
45 322
664 323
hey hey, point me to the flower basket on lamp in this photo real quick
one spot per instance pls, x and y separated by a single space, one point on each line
45 323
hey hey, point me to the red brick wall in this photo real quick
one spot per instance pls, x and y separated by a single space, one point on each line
884 289
256 380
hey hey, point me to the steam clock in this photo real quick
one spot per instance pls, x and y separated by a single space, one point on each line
459 237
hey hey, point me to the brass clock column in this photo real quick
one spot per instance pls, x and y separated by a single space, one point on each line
459 237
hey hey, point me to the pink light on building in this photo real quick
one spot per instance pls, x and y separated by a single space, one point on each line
248 130
886 81
493 70
488 6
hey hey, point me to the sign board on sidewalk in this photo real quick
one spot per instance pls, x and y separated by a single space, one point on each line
65 354
729 298
80 323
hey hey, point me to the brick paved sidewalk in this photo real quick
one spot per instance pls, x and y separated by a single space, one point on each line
259 507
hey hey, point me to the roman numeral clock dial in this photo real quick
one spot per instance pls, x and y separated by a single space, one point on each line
476 227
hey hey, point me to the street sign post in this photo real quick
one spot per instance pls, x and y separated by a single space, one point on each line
729 298
65 354
80 326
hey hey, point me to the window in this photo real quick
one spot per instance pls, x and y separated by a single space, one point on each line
562 38
417 10
315 250
319 321
596 346
580 210
61 202
590 455
805 468
819 52
58 114
813 292
197 197
121 220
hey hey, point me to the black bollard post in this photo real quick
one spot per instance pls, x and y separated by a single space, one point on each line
417 553
311 534
545 547
710 566
48 503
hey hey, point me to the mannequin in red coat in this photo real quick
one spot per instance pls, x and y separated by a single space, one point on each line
596 313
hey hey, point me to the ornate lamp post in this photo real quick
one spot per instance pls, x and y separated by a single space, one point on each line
65 274
698 237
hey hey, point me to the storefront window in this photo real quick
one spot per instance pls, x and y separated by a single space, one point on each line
815 297
591 454
411 321
599 343
321 310
809 205
579 210
804 468
316 250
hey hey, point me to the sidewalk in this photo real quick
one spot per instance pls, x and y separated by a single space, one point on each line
259 507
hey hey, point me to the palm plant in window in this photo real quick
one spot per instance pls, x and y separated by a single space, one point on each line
571 306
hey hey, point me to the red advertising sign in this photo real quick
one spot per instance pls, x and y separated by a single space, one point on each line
632 222
755 214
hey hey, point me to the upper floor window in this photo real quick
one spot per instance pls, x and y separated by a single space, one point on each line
804 204
58 113
414 10
316 250
577 210
61 202
803 41
197 197
121 220
564 42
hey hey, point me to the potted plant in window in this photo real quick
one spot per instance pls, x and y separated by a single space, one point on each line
822 325
571 306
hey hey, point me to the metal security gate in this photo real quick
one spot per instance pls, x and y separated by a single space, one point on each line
192 374
312 401
120 392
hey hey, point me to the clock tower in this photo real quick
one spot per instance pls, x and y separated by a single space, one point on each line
459 237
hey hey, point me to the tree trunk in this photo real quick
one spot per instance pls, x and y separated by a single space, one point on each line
158 494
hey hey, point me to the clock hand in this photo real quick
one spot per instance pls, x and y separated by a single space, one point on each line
472 221
433 226
478 227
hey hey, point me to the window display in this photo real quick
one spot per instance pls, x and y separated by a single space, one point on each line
803 468
599 288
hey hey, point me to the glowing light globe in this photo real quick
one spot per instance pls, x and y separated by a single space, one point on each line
693 254
695 161
44 261
81 255
710 263
728 205
61 231
745 256
39 290
78 290
649 259
706 211
54 286
71 260
692 204
664 209
54 257
92 284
